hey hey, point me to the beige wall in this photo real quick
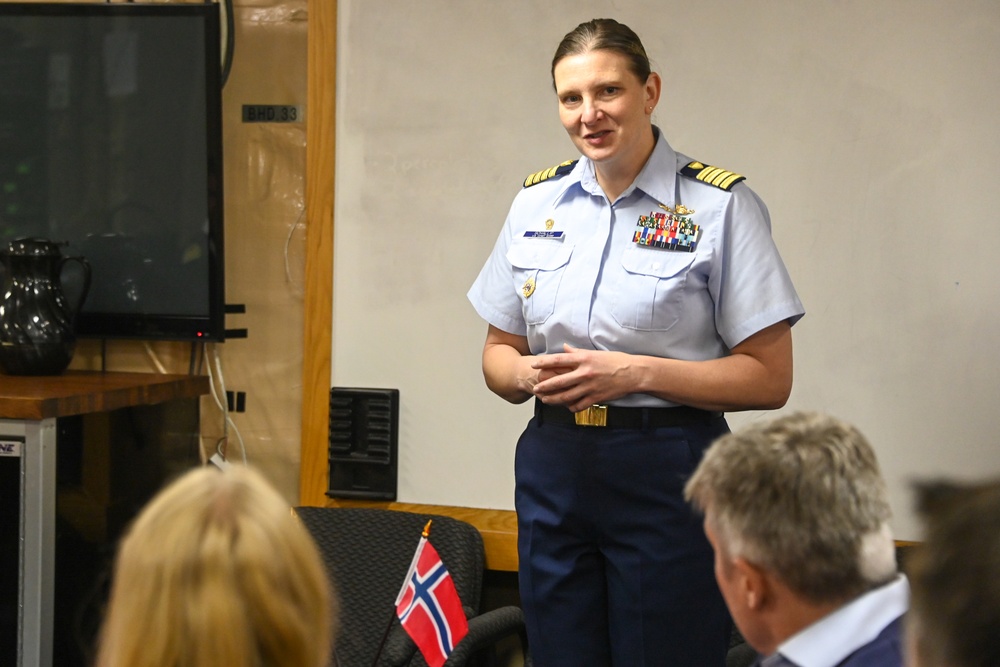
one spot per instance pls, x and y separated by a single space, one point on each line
868 127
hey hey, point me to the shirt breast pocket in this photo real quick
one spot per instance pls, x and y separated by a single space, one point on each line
651 294
537 267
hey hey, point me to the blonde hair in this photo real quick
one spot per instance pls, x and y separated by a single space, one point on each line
802 496
217 571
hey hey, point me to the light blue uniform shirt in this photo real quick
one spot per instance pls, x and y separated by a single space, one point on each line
595 288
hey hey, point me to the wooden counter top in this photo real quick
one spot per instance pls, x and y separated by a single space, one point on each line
84 392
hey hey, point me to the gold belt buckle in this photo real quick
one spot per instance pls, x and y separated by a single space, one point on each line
595 415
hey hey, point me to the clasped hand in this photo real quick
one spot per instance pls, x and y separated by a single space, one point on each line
580 378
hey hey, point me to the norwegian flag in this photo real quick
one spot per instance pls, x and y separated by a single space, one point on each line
428 605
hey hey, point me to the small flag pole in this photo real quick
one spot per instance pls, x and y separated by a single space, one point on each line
425 534
385 636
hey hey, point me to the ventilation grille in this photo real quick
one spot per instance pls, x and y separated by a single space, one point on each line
363 447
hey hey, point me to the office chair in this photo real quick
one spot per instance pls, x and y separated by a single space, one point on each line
368 552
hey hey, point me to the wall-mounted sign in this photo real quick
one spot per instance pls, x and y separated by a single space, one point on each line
273 113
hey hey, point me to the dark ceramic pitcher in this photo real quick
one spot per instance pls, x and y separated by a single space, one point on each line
37 332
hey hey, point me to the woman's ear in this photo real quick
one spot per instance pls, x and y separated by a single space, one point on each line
653 86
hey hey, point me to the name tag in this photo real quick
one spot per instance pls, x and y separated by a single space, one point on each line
543 235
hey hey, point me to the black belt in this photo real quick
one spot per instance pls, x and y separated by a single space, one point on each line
618 417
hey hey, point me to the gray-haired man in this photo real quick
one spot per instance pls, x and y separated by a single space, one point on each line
797 512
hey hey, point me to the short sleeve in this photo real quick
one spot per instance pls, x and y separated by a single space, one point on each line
493 294
751 285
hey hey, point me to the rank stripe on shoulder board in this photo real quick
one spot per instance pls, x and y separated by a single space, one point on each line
546 174
720 178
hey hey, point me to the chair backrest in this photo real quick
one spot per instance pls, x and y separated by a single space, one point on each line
368 552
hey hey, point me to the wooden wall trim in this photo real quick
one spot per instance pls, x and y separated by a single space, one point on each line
318 315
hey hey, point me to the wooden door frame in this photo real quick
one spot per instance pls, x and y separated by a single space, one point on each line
318 314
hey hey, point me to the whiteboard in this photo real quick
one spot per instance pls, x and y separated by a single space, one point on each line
870 129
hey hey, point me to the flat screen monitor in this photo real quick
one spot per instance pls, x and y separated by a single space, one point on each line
111 144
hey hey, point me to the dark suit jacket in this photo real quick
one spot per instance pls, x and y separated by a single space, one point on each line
886 650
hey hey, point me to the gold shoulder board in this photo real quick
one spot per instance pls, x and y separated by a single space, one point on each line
546 174
720 178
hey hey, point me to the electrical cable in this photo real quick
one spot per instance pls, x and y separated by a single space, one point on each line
297 288
230 46
219 390
219 444
195 358
154 359
214 385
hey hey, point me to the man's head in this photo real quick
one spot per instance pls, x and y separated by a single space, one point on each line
798 500
955 577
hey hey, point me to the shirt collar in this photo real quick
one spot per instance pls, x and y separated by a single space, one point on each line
832 638
657 178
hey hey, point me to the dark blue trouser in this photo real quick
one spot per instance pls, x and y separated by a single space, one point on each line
615 568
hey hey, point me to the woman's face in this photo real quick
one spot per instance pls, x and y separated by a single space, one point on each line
605 108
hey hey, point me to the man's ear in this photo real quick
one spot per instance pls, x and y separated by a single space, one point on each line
752 583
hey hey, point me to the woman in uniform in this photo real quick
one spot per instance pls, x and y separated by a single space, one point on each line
636 295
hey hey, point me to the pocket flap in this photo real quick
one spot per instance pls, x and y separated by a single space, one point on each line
655 262
538 254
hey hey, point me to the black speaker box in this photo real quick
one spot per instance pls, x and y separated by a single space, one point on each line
364 443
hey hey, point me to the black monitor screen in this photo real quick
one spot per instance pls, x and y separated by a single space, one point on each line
110 143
